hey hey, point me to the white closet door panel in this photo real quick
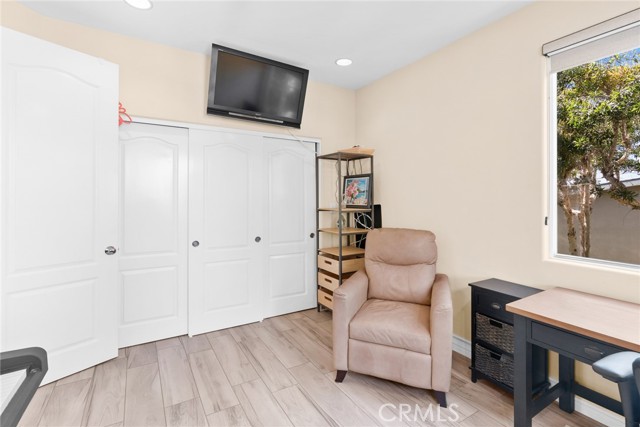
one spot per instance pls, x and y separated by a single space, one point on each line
291 257
59 203
149 295
235 287
225 217
150 195
287 278
153 228
227 195
286 170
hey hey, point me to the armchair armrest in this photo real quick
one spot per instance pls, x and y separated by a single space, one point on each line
347 300
441 333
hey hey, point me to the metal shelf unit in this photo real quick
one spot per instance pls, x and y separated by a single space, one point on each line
338 263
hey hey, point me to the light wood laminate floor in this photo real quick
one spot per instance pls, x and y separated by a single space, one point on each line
275 373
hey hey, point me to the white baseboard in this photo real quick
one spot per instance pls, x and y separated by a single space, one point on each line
593 411
585 407
462 346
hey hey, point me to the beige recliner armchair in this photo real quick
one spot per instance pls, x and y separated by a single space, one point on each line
394 319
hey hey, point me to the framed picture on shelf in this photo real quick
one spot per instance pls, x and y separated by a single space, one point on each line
356 191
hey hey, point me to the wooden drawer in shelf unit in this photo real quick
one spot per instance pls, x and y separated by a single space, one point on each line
325 299
329 281
345 230
332 265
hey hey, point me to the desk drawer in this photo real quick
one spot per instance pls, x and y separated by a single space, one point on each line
579 347
493 305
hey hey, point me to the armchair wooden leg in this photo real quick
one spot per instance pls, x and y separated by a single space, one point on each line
340 376
441 396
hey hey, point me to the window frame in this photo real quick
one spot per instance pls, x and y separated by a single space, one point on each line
552 214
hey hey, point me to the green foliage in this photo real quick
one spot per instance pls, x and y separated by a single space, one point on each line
599 124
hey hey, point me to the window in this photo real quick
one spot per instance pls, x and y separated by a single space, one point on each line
595 142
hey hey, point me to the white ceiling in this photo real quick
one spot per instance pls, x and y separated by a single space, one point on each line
379 36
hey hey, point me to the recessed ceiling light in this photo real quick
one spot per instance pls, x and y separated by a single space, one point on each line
344 62
139 4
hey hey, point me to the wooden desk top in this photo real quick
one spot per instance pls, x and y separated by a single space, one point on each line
606 319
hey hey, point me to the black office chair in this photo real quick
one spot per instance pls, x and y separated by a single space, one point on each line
636 372
33 362
624 369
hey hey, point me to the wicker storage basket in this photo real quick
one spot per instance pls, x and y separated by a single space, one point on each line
497 366
495 332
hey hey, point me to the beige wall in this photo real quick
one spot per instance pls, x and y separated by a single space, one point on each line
461 149
161 82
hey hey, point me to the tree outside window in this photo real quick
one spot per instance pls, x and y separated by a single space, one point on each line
598 159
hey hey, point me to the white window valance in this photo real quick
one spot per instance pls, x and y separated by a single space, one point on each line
619 34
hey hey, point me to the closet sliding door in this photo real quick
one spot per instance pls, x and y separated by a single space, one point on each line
289 280
153 233
226 217
251 219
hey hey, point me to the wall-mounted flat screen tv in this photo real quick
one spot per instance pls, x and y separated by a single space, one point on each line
251 87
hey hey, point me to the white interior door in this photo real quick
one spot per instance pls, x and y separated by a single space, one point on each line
225 222
59 203
153 278
290 211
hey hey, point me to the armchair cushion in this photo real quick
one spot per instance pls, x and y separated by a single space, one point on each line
401 264
394 324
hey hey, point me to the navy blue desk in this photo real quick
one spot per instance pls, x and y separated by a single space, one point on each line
577 326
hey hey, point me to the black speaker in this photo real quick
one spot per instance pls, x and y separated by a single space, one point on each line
363 220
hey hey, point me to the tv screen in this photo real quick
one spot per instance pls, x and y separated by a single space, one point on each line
251 87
